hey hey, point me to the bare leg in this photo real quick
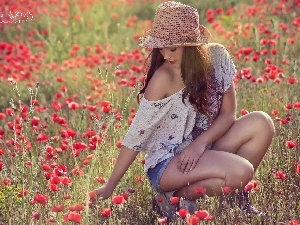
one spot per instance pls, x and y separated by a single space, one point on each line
214 170
249 137
239 152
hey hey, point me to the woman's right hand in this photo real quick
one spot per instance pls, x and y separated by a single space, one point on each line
101 193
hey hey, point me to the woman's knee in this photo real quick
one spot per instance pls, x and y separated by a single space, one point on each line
263 122
241 174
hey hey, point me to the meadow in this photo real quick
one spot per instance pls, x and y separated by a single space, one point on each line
70 71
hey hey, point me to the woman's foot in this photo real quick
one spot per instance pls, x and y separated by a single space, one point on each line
161 205
190 205
242 201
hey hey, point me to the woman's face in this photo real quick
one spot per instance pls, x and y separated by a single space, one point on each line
172 55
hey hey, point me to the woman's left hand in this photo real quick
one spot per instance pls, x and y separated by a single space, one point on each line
189 157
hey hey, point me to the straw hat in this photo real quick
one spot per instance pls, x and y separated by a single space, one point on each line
175 24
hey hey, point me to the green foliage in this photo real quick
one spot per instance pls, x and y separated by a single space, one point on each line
9 201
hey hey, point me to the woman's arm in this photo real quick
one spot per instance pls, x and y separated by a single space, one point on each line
224 120
190 155
124 160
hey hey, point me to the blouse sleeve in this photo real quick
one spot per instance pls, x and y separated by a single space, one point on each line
147 120
223 65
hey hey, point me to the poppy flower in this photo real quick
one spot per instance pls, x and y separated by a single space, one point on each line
106 212
42 199
182 213
118 199
75 217
202 214
58 208
292 80
78 207
92 195
2 116
291 144
280 175
42 138
192 220
174 200
293 222
244 112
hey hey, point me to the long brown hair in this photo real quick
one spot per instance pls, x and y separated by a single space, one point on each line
195 71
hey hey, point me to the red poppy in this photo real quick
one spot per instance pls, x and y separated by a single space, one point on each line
202 214
78 207
118 199
42 199
75 217
58 208
292 80
291 144
182 213
296 106
293 222
73 105
106 212
35 121
174 200
2 116
92 195
79 146
280 175
42 138
192 220
101 180
54 187
244 112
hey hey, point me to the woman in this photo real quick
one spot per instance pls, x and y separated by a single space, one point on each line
186 120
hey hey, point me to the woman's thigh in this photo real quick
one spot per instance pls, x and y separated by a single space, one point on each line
231 169
256 127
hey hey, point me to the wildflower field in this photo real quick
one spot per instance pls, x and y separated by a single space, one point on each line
70 71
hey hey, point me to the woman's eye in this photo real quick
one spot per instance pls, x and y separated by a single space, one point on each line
173 49
160 49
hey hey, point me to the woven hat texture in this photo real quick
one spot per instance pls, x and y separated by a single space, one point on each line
175 24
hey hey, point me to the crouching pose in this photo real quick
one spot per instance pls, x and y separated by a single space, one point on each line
186 118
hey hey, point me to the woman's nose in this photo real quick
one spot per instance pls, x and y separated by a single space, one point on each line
166 56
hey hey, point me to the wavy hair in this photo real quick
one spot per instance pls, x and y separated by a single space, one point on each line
195 71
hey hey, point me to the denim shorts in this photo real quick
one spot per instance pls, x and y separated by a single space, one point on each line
154 174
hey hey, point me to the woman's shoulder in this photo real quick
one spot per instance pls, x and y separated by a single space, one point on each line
157 88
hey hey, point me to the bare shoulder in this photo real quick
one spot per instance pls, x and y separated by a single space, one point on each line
157 88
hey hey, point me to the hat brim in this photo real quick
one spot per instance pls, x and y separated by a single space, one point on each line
150 41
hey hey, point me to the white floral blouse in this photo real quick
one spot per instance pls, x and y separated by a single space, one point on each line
163 128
